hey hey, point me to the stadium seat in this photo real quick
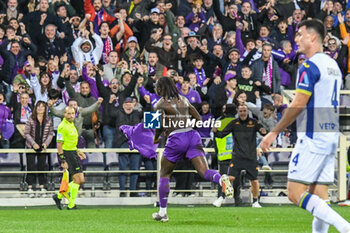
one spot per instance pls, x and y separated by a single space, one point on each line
53 179
111 161
280 178
112 165
94 162
11 162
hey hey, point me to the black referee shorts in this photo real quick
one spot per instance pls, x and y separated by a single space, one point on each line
72 159
251 167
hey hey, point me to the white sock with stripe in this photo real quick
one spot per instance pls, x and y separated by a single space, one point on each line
321 210
319 226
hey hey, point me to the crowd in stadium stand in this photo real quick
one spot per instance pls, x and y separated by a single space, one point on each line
63 52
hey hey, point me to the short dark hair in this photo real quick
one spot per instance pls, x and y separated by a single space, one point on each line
205 103
154 53
103 22
85 82
246 66
315 25
13 19
269 106
72 99
266 26
10 27
53 94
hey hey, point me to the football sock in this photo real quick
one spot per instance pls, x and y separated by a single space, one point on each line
162 211
255 200
163 191
59 196
73 194
319 226
321 210
213 176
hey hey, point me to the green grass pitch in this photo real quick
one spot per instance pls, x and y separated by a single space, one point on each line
194 219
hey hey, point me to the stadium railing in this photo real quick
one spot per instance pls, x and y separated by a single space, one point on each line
341 180
341 165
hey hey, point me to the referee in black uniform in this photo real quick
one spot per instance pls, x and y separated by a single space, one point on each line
244 155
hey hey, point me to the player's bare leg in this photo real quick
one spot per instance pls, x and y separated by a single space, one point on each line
297 193
201 165
255 193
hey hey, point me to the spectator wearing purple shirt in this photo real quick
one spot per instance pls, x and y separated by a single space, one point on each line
195 18
143 92
284 57
191 95
204 132
199 71
5 114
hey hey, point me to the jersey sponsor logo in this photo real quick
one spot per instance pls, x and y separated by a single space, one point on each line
306 65
59 136
304 79
250 124
327 126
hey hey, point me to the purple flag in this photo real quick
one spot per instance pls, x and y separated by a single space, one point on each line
7 129
140 139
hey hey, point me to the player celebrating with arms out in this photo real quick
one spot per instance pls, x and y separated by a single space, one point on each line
182 143
311 166
67 140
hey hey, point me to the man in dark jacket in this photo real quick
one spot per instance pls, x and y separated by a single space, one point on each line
109 93
36 20
266 70
14 58
84 100
50 44
244 155
145 26
228 22
167 54
126 115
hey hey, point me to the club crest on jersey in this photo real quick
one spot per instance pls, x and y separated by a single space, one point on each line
304 79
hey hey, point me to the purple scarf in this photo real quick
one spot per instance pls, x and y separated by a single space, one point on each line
151 70
140 139
16 68
200 77
97 21
267 74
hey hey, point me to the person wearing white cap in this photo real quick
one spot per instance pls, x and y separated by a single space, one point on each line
132 39
145 26
132 50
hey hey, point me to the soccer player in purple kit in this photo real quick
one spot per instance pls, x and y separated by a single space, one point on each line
183 142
